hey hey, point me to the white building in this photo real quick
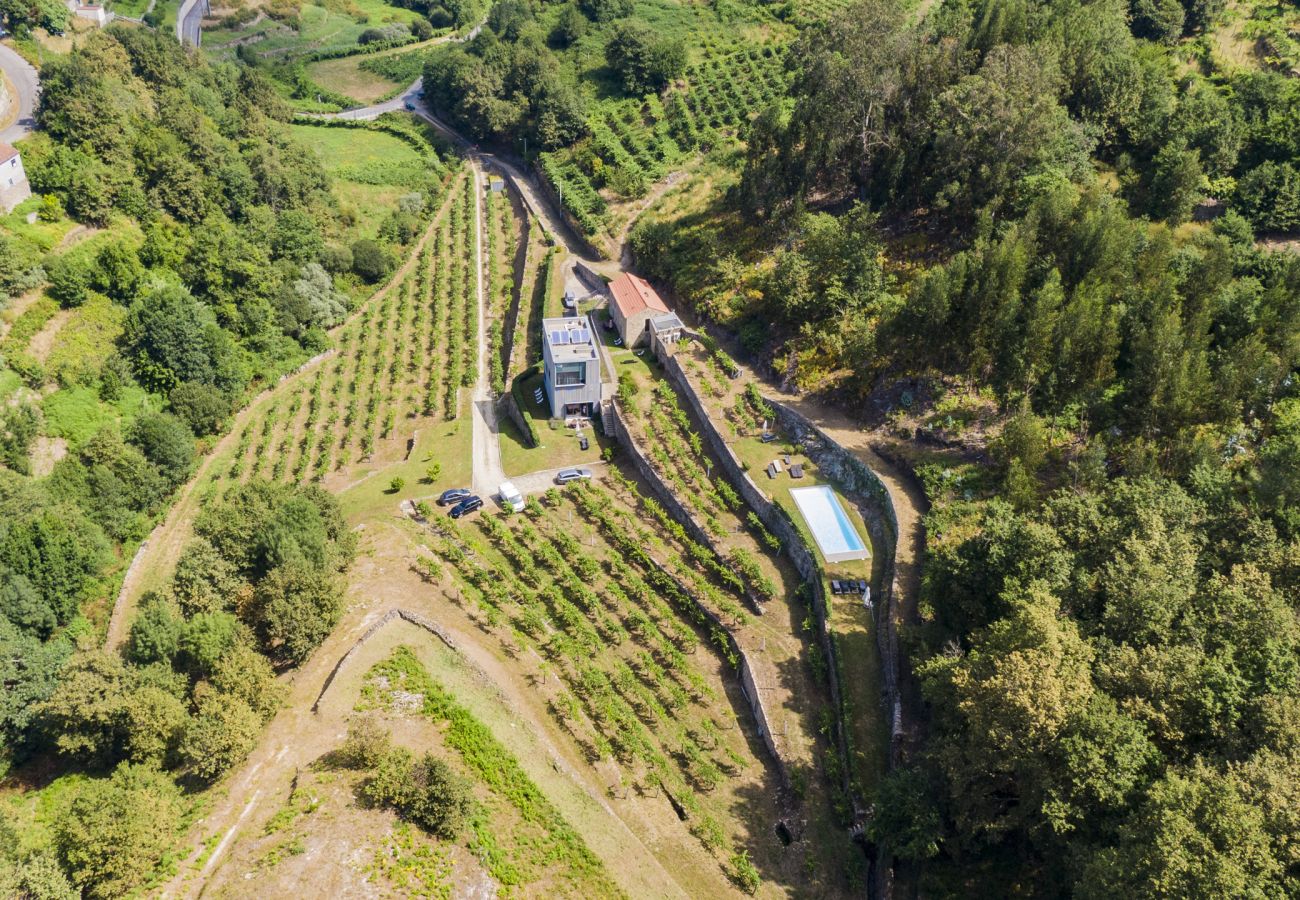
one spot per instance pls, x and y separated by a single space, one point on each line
14 187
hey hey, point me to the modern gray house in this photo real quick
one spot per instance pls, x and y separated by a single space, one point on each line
572 366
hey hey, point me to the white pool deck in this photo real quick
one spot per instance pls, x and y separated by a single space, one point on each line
832 529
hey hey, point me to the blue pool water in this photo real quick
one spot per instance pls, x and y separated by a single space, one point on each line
834 532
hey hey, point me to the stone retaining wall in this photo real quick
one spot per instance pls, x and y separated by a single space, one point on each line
871 496
873 499
414 618
776 520
509 407
675 508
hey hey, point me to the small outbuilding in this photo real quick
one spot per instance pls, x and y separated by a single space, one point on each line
633 303
14 187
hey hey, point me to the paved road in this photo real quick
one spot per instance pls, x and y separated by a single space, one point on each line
541 482
28 84
487 471
188 22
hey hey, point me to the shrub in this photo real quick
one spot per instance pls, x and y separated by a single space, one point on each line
745 872
201 406
366 744
425 791
114 830
370 261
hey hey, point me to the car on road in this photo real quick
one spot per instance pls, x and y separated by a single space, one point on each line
453 496
466 506
564 476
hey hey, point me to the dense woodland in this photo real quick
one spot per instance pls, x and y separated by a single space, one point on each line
240 269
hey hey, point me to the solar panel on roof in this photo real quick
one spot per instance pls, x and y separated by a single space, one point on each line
582 336
559 337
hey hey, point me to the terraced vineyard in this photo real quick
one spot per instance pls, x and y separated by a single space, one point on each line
635 143
626 617
400 360
501 239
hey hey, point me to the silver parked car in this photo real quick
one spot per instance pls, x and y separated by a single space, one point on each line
564 476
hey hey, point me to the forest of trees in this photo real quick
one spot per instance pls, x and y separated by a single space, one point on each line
256 590
234 279
1108 650
517 79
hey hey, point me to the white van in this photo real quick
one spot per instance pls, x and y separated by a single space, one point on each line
511 498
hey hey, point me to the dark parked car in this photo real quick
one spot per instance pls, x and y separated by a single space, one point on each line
455 495
564 476
466 506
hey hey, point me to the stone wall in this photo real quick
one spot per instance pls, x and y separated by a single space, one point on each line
414 618
584 244
675 508
872 498
777 521
508 406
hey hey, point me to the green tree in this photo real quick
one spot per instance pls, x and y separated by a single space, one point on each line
171 338
370 261
201 406
644 60
23 605
30 669
204 580
605 10
114 831
117 272
156 632
206 638
297 607
246 675
167 442
569 27
1175 188
425 790
1195 835
220 736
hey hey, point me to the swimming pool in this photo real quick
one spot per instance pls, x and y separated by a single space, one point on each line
834 532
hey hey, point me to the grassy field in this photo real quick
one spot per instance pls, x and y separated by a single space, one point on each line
346 76
318 29
371 77
133 9
371 170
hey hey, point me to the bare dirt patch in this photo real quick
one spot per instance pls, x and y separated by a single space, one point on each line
43 341
46 451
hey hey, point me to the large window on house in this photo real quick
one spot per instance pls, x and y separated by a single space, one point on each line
570 374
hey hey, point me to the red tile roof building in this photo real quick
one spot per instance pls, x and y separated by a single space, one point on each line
633 303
